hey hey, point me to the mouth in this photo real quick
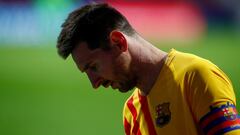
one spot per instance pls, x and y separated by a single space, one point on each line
114 85
106 83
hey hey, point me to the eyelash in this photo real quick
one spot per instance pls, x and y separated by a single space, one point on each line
93 68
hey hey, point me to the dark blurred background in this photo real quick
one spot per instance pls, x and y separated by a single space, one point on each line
42 94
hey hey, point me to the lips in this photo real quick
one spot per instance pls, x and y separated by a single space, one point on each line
114 85
106 83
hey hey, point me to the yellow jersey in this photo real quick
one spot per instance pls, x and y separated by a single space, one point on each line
191 96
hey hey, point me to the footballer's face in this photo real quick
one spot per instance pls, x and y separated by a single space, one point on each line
105 67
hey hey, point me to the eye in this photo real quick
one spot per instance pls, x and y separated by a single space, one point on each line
93 68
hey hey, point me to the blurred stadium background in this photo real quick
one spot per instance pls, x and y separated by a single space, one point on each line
40 94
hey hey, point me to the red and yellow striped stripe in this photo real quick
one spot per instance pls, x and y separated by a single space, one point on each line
139 122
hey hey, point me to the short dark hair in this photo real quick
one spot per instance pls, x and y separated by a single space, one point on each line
91 24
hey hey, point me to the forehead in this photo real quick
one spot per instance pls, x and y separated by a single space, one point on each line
81 54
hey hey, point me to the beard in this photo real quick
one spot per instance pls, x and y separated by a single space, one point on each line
124 76
128 84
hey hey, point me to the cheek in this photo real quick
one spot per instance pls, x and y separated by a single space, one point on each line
122 64
106 69
114 67
120 71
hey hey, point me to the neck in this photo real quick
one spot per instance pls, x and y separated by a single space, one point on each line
148 62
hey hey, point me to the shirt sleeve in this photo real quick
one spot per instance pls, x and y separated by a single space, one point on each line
211 98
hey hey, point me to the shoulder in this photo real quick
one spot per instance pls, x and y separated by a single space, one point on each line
181 61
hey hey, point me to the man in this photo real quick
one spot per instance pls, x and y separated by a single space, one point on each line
176 93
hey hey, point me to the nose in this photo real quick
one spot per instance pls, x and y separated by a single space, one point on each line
95 79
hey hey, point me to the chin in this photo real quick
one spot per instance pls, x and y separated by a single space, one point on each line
123 91
127 85
126 89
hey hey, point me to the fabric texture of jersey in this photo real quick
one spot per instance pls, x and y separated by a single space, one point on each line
191 96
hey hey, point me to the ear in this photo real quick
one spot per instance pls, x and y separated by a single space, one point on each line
117 38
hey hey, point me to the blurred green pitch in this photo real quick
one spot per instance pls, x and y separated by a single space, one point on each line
41 94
